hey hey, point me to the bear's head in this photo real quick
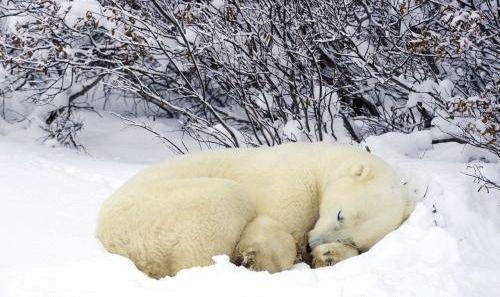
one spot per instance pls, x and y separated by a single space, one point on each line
362 203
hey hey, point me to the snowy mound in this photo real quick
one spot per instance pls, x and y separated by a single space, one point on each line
50 198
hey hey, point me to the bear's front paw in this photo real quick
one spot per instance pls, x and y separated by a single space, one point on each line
257 258
265 246
246 259
329 254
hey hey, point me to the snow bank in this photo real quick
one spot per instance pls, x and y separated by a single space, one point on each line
50 198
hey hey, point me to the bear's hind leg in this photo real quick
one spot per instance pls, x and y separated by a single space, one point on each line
209 222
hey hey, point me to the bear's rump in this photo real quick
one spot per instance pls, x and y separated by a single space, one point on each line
164 227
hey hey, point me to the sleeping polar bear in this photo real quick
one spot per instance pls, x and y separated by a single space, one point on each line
262 207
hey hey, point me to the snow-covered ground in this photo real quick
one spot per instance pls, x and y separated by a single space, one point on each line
49 198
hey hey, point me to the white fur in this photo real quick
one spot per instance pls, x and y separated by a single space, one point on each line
257 205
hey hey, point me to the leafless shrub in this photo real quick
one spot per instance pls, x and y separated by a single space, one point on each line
251 73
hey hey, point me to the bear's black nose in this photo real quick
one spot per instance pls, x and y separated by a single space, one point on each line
308 248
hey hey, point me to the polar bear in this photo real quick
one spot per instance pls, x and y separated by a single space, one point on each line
264 207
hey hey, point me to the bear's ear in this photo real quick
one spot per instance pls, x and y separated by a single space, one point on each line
410 201
360 171
409 208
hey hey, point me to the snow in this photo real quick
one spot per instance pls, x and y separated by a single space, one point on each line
49 199
75 11
422 93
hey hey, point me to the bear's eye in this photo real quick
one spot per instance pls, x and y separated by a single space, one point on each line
340 216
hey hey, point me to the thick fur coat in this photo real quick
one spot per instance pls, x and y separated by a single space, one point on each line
260 206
